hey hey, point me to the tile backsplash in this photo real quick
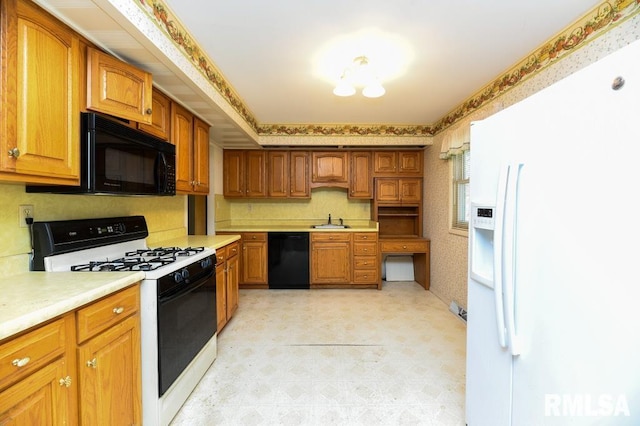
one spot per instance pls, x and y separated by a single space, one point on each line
324 201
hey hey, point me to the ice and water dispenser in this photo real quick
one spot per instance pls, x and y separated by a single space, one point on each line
482 233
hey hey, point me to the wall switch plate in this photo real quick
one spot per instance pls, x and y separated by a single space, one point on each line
24 211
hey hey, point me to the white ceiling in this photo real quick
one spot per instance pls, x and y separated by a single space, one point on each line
266 49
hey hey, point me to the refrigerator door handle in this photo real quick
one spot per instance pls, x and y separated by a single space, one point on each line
509 256
498 241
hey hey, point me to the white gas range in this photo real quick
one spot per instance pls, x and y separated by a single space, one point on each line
177 301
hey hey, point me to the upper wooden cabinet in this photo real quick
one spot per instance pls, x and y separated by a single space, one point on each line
200 161
245 173
330 169
299 175
117 88
392 163
398 190
288 174
360 182
40 110
191 137
160 125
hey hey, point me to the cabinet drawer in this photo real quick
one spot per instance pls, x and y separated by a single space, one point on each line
221 255
232 249
103 314
330 236
367 276
365 262
404 246
27 353
365 236
365 248
254 236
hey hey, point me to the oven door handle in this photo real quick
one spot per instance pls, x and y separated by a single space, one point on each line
190 287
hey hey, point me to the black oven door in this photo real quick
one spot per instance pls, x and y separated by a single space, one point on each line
186 322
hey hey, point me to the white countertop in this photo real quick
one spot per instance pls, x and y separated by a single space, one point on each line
211 241
31 298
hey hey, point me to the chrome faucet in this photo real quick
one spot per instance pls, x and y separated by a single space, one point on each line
329 222
341 222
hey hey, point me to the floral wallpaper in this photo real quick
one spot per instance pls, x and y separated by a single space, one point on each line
596 22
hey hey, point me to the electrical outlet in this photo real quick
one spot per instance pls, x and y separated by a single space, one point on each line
24 211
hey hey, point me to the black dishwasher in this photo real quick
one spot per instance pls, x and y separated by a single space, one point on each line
288 260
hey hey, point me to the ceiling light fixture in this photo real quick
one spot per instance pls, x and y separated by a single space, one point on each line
359 74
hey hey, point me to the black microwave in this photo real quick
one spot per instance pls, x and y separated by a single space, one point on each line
116 159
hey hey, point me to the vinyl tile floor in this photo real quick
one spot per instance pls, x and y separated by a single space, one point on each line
394 356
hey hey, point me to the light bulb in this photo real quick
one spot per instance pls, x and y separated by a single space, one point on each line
373 90
344 89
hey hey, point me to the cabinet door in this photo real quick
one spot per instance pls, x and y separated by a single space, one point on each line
330 263
384 162
200 156
233 277
117 88
299 175
182 138
410 162
330 167
254 258
40 399
410 191
387 190
256 168
234 173
221 290
160 125
278 174
109 374
40 118
361 182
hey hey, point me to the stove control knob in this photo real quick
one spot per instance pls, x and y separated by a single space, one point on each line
177 277
205 263
185 274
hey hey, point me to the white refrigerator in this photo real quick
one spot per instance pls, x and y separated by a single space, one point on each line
553 333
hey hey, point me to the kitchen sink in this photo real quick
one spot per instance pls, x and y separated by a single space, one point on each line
329 226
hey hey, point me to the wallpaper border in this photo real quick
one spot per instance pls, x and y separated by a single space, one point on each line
596 22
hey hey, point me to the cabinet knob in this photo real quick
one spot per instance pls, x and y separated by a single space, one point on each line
149 111
118 310
404 247
92 363
21 362
65 381
15 153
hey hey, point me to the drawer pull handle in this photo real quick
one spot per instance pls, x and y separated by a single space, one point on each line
65 381
404 247
253 237
93 363
118 310
21 362
366 263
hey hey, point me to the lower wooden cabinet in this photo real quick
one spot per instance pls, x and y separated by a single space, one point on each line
227 280
330 258
366 262
83 367
37 376
254 259
109 376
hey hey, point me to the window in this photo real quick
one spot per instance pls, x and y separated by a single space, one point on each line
460 191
